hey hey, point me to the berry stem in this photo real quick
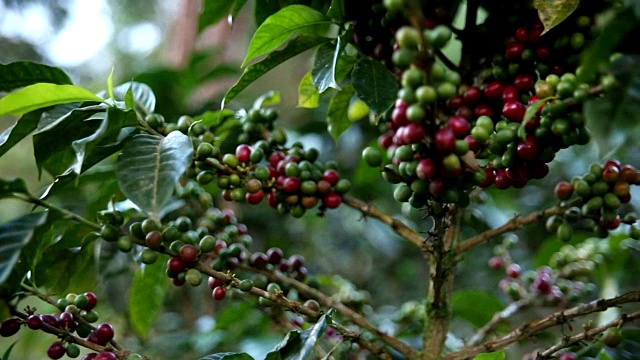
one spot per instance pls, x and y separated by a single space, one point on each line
555 319
515 223
590 334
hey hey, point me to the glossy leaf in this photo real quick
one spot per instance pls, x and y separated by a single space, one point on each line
531 111
338 113
143 96
255 71
298 345
147 296
308 95
553 12
12 186
279 27
42 95
14 235
324 67
228 356
108 133
23 73
465 305
270 98
336 10
374 84
149 168
52 143
497 355
19 130
212 12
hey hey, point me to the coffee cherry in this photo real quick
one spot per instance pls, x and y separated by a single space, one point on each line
259 260
513 271
372 156
514 110
10 327
188 254
245 285
73 350
563 190
176 265
496 263
106 355
218 293
445 140
67 321
612 337
34 322
104 333
332 200
56 350
567 356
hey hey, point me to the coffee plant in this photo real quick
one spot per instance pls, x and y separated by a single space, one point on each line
469 109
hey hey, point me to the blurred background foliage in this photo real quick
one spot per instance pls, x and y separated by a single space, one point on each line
156 42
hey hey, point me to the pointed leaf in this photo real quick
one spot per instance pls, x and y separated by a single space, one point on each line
553 12
279 27
14 235
19 130
374 84
298 345
338 113
23 73
12 186
331 65
531 111
308 95
41 95
52 143
255 71
228 356
147 296
498 355
149 168
336 10
212 12
107 134
143 96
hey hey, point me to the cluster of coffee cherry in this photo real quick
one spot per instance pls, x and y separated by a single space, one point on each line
567 279
602 191
449 132
73 319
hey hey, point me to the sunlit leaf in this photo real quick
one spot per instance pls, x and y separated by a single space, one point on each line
308 95
149 168
324 67
279 27
143 97
338 113
336 10
498 355
299 344
553 12
23 73
147 296
255 71
14 235
41 95
374 84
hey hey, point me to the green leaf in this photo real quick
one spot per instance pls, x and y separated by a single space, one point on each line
14 235
553 12
277 28
212 12
41 95
23 73
270 98
228 356
374 84
237 6
531 111
110 84
143 96
298 345
7 352
336 10
12 186
338 112
255 71
147 296
308 95
19 130
498 355
149 168
465 305
266 9
109 133
324 66
52 143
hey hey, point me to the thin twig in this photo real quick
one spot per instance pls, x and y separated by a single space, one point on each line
534 327
497 319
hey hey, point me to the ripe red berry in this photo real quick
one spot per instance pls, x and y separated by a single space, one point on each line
34 322
332 200
460 126
543 52
513 271
514 51
514 110
188 254
528 149
496 263
275 255
259 260
243 153
67 321
331 176
501 180
255 198
426 169
437 187
104 333
90 356
472 95
296 261
522 34
493 90
510 93
610 173
106 355
524 82
56 350
10 327
275 158
291 184
154 239
176 265
445 140
563 190
411 134
218 293
399 116
567 356
542 283
483 110
455 102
